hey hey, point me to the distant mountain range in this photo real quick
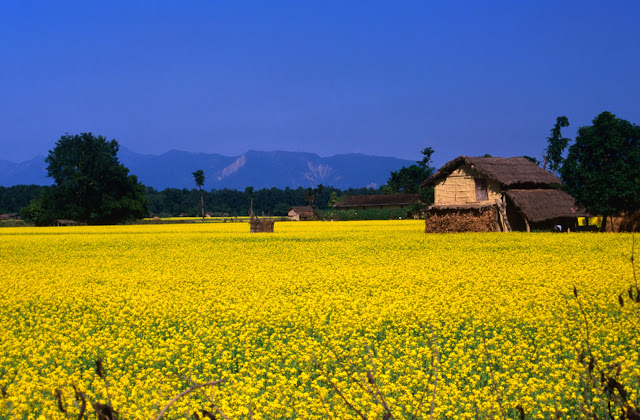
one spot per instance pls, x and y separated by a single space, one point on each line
174 169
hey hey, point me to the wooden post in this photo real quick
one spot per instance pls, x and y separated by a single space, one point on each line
503 216
526 223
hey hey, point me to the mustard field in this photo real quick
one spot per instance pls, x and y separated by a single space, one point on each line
294 320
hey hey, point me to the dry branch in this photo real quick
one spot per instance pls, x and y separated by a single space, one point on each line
188 391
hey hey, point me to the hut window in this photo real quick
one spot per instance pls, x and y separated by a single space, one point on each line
481 190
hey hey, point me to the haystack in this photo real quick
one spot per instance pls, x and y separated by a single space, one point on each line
461 219
263 225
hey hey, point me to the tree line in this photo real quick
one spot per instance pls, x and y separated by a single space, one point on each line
601 169
187 202
268 201
93 187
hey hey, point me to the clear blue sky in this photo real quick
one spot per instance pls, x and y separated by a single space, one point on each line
376 77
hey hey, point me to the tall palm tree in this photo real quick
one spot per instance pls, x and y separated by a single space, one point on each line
198 176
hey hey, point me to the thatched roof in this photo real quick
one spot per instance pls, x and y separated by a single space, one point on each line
540 205
303 211
508 172
65 222
377 200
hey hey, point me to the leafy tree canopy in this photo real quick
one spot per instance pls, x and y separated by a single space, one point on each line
602 168
556 145
408 180
91 186
198 177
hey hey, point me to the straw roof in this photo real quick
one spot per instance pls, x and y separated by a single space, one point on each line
539 205
509 172
378 200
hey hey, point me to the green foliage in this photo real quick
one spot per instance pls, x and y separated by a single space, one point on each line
333 199
368 214
13 199
602 168
36 213
311 195
556 145
280 209
408 180
427 152
91 186
198 177
270 201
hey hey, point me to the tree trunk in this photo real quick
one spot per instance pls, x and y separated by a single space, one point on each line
202 202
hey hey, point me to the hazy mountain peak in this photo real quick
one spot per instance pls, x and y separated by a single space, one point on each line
237 164
280 169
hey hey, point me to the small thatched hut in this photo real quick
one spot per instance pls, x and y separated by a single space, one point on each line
65 222
298 213
10 216
384 201
500 194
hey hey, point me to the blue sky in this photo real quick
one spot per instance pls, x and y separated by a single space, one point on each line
375 77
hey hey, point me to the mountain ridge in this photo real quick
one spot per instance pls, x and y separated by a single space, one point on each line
279 169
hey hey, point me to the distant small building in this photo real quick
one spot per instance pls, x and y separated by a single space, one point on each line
384 201
10 216
299 213
66 222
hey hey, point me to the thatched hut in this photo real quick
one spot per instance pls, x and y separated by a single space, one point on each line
384 201
65 222
10 216
298 213
497 194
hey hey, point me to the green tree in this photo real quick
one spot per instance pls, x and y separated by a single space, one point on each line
251 193
427 152
556 145
281 209
311 195
333 199
198 177
602 168
91 185
408 180
13 199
